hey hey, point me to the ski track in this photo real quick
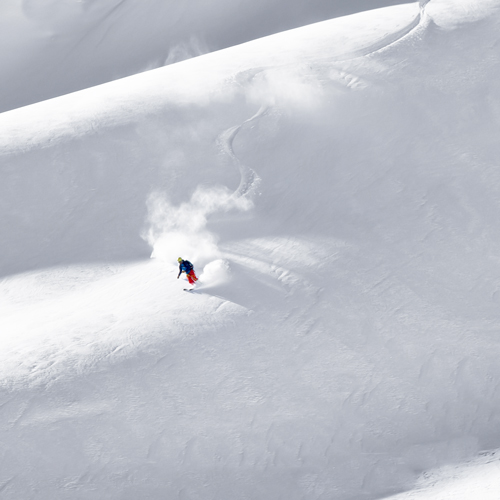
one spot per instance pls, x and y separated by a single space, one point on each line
388 40
249 178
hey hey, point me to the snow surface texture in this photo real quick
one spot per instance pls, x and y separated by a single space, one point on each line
337 188
53 47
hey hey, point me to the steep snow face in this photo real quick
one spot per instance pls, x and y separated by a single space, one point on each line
50 48
162 110
341 205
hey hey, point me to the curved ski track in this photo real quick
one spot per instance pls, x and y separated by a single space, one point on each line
249 178
389 39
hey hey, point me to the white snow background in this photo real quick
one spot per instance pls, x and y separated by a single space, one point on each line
337 187
53 47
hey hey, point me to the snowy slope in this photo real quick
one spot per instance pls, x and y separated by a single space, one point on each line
477 479
338 191
50 48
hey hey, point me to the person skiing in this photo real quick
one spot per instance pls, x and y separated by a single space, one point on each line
186 267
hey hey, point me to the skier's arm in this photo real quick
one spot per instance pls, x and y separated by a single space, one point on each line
180 272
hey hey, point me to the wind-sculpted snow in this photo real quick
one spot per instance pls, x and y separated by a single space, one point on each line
343 218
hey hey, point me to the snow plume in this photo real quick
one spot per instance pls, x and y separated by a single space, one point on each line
215 273
181 231
186 50
287 87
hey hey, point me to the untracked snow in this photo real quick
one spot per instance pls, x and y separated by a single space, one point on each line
337 188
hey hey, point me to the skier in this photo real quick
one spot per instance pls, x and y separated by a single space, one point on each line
186 267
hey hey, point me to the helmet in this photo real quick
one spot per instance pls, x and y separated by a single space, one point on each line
179 259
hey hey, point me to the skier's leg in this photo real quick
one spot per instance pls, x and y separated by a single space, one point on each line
190 279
